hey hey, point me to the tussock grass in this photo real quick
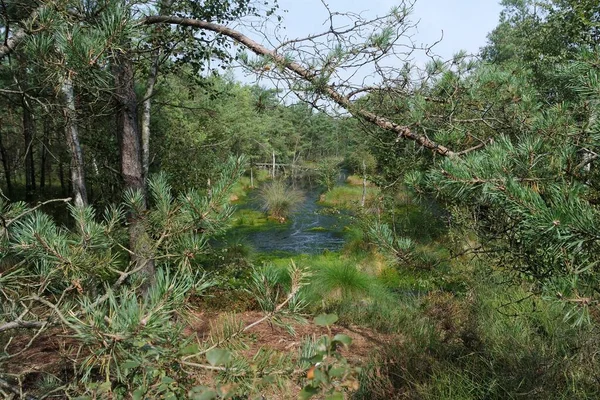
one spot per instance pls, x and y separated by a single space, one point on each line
279 200
334 279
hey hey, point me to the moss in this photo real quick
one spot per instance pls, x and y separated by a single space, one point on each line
318 229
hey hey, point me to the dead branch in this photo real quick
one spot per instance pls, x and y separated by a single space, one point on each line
403 132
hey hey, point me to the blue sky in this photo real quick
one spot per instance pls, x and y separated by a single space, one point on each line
465 23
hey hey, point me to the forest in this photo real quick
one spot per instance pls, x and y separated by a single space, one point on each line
366 220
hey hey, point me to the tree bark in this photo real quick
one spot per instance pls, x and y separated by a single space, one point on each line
44 155
5 165
147 105
72 136
132 169
28 135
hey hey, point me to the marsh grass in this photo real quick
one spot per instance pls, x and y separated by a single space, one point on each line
355 180
494 342
335 278
279 200
243 186
347 196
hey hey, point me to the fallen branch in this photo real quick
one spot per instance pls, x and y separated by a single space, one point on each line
22 324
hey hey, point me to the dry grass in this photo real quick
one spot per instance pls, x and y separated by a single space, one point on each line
355 180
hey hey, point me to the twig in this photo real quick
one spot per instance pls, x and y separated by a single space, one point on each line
267 316
35 208
17 391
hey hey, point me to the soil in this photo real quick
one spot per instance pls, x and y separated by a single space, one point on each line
364 341
56 353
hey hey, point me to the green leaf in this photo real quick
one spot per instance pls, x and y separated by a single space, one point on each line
202 393
316 358
105 387
308 392
167 380
190 349
130 364
344 339
326 319
337 372
138 394
335 396
218 357
320 376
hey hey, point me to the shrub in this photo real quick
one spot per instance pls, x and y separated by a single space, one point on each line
328 173
354 162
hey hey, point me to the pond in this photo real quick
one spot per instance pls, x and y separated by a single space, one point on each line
311 229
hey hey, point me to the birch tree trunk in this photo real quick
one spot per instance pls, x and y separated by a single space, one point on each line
147 105
364 187
72 136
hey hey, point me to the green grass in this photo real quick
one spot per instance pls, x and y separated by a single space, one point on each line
317 229
334 278
494 342
347 196
244 185
249 218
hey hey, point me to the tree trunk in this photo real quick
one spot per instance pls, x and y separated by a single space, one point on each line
44 155
132 169
72 136
28 135
146 115
6 166
61 177
364 188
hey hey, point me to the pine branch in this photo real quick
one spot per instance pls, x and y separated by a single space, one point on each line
30 210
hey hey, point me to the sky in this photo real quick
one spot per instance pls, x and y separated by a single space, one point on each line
464 24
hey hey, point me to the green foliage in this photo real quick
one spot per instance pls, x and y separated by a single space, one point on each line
341 280
329 373
135 343
328 173
496 342
354 162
